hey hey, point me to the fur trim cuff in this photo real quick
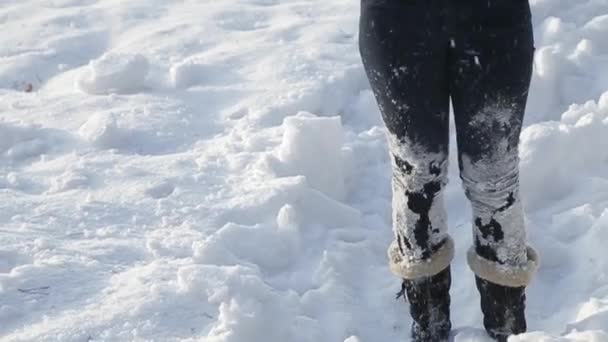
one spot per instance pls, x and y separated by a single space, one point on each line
502 274
407 269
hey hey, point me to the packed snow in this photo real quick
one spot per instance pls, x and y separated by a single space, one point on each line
218 171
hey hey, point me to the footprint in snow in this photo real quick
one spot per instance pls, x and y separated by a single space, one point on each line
161 190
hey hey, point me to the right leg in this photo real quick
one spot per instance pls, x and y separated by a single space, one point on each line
405 61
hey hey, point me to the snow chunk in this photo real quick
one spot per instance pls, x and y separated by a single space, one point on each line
287 219
161 190
196 71
244 242
173 241
596 30
101 131
114 73
551 29
187 73
245 302
191 72
312 147
315 207
592 315
69 180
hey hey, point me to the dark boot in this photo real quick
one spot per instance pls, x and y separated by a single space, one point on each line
503 309
429 300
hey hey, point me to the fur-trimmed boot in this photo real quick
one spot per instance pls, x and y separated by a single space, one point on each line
426 286
429 300
503 309
502 292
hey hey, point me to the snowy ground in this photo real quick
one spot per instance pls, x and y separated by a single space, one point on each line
217 171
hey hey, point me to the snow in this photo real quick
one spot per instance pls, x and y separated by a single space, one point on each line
218 171
114 73
310 141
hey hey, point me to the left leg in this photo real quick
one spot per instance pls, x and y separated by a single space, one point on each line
490 70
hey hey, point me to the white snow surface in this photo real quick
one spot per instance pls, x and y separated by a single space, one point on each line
218 171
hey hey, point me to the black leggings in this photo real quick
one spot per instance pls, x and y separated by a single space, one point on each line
419 55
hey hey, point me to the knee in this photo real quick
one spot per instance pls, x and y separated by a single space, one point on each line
416 167
494 183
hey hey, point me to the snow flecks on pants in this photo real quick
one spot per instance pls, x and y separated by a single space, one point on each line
492 187
419 217
490 177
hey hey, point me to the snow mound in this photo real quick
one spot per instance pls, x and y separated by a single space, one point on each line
101 130
187 73
245 303
20 142
194 71
551 152
312 147
571 51
161 190
114 73
69 180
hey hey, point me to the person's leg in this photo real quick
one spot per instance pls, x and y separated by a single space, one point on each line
490 71
406 66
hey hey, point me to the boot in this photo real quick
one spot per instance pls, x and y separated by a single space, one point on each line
503 309
429 299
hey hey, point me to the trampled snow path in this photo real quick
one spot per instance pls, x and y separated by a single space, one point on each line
217 171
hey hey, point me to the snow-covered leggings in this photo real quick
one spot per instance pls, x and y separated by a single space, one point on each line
419 54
